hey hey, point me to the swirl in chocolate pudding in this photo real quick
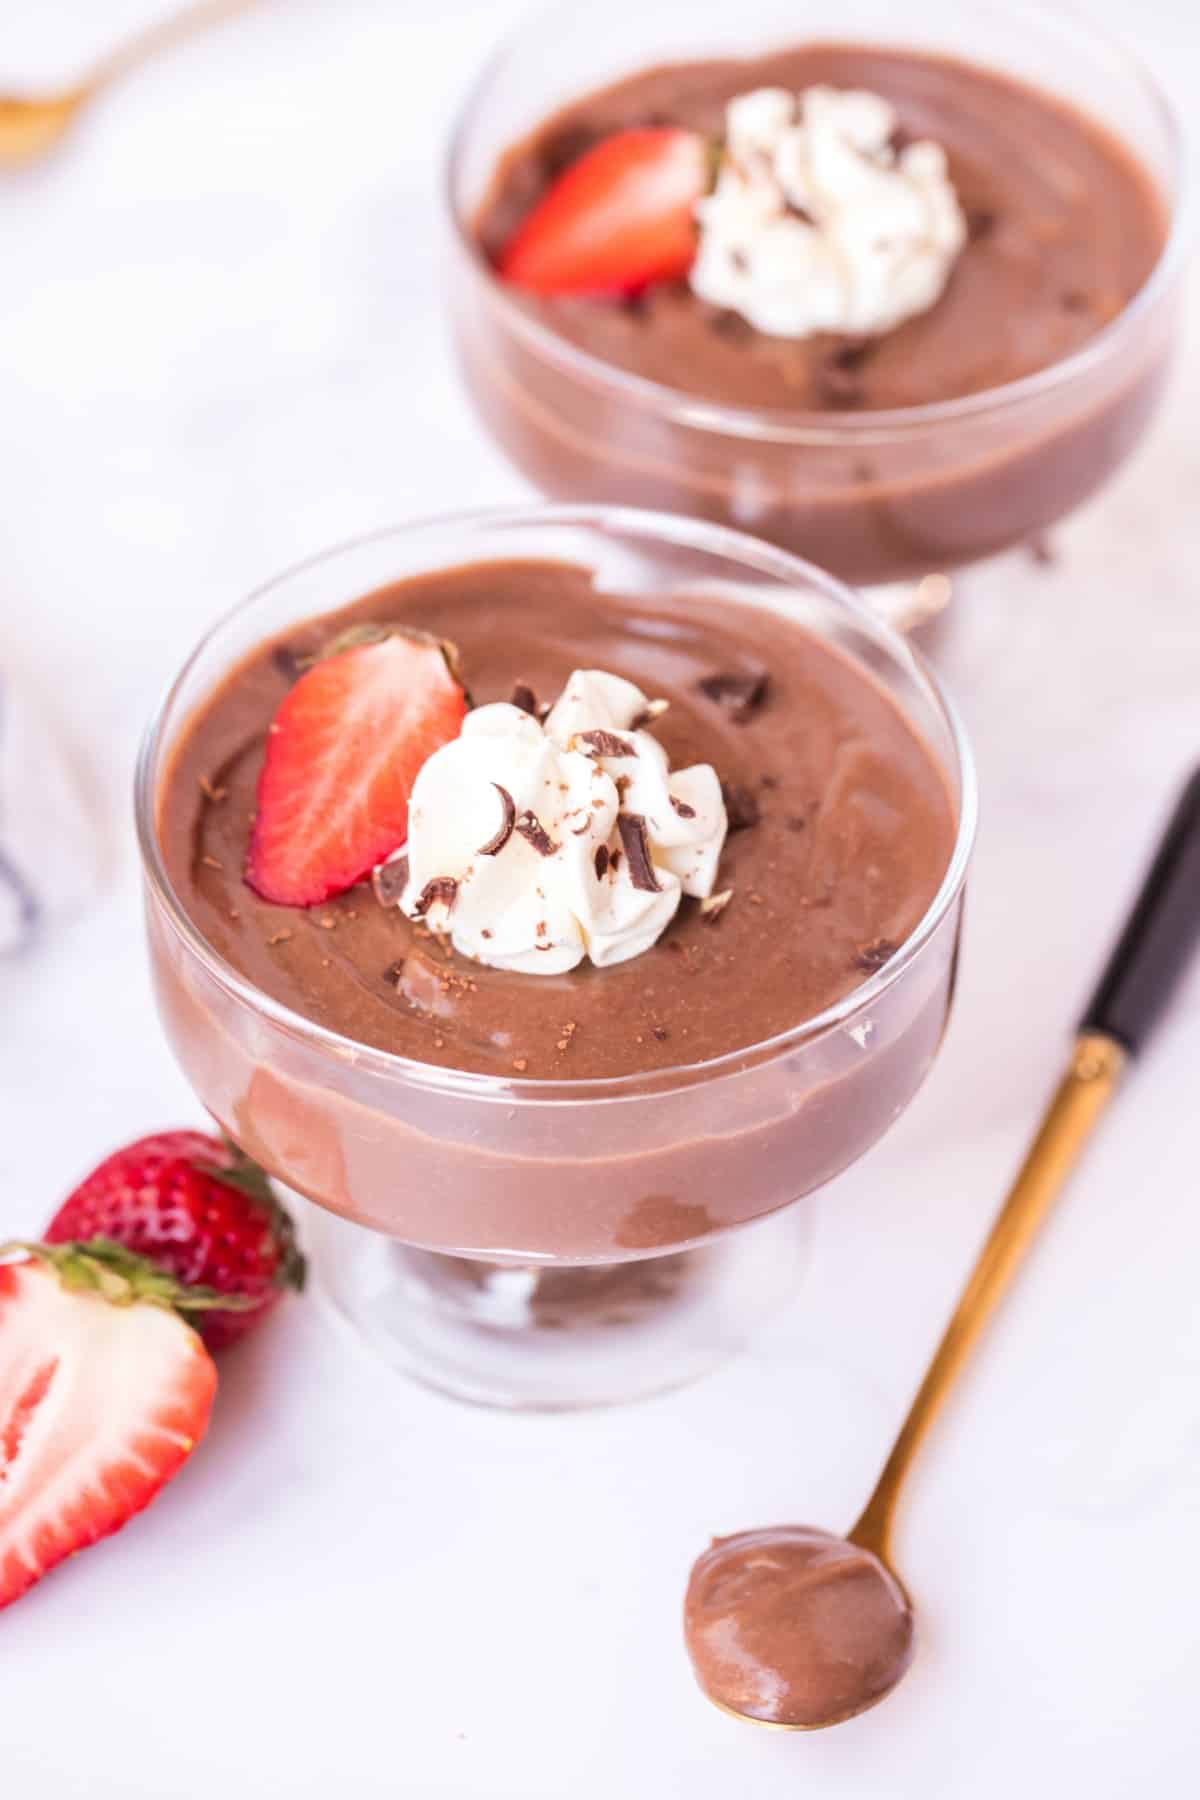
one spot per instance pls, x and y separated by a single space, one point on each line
841 829
795 1626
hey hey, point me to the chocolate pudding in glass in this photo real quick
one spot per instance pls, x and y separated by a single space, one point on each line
907 340
558 1068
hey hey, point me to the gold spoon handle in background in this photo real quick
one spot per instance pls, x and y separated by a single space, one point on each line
31 125
1161 933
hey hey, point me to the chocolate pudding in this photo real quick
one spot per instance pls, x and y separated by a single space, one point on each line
795 1626
842 831
484 1132
1064 227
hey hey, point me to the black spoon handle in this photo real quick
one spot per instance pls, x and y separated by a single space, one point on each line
1161 933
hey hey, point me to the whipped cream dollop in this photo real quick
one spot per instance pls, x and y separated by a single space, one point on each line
532 844
821 220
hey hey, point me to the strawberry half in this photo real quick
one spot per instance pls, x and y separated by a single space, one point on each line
199 1210
104 1393
619 218
344 750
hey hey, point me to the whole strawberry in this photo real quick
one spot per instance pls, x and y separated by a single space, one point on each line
201 1211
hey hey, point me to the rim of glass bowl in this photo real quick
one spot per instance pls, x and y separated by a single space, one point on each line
779 425
734 546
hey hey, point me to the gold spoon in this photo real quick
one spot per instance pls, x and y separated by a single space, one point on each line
30 125
797 1628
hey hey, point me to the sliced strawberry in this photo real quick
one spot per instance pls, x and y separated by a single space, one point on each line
345 748
619 218
101 1401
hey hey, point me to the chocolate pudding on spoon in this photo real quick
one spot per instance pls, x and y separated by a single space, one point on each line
368 1055
834 362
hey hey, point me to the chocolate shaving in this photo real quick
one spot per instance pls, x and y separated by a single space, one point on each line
605 743
524 698
565 147
853 355
534 832
683 809
741 806
389 880
287 662
601 862
873 956
393 972
495 844
712 908
741 694
794 210
838 380
632 827
653 709
441 891
900 140
614 860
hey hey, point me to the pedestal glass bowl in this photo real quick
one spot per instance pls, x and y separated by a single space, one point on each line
558 1243
875 496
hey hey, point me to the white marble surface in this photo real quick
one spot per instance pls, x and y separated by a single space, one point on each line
221 347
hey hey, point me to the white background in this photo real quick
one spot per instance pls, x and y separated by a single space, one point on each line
221 348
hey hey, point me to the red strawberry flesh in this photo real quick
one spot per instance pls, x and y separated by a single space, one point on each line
621 217
344 750
99 1406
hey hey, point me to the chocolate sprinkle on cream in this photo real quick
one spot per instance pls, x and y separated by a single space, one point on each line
601 861
632 827
534 832
495 844
524 698
741 806
441 891
389 880
683 809
606 743
741 694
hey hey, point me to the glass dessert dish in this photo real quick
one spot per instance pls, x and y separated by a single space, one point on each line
561 1242
877 495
